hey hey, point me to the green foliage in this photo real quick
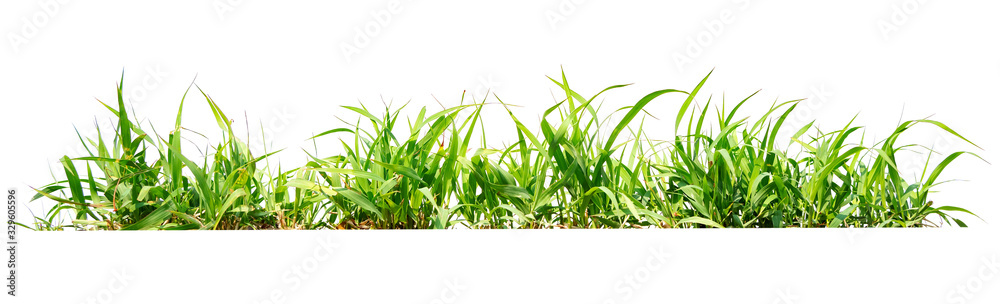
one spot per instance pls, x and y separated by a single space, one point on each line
436 174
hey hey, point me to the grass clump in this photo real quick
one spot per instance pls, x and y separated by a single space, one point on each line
576 169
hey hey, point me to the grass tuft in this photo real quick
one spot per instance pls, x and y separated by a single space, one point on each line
718 170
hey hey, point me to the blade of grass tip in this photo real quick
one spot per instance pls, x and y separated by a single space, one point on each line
633 112
331 131
720 112
366 114
737 107
63 200
949 130
777 125
569 96
82 142
701 120
687 102
958 209
124 124
220 117
803 130
944 163
174 163
531 137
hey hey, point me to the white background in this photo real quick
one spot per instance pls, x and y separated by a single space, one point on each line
283 65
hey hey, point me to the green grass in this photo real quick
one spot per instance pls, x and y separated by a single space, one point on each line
578 168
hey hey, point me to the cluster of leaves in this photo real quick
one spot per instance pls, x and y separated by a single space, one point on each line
441 173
